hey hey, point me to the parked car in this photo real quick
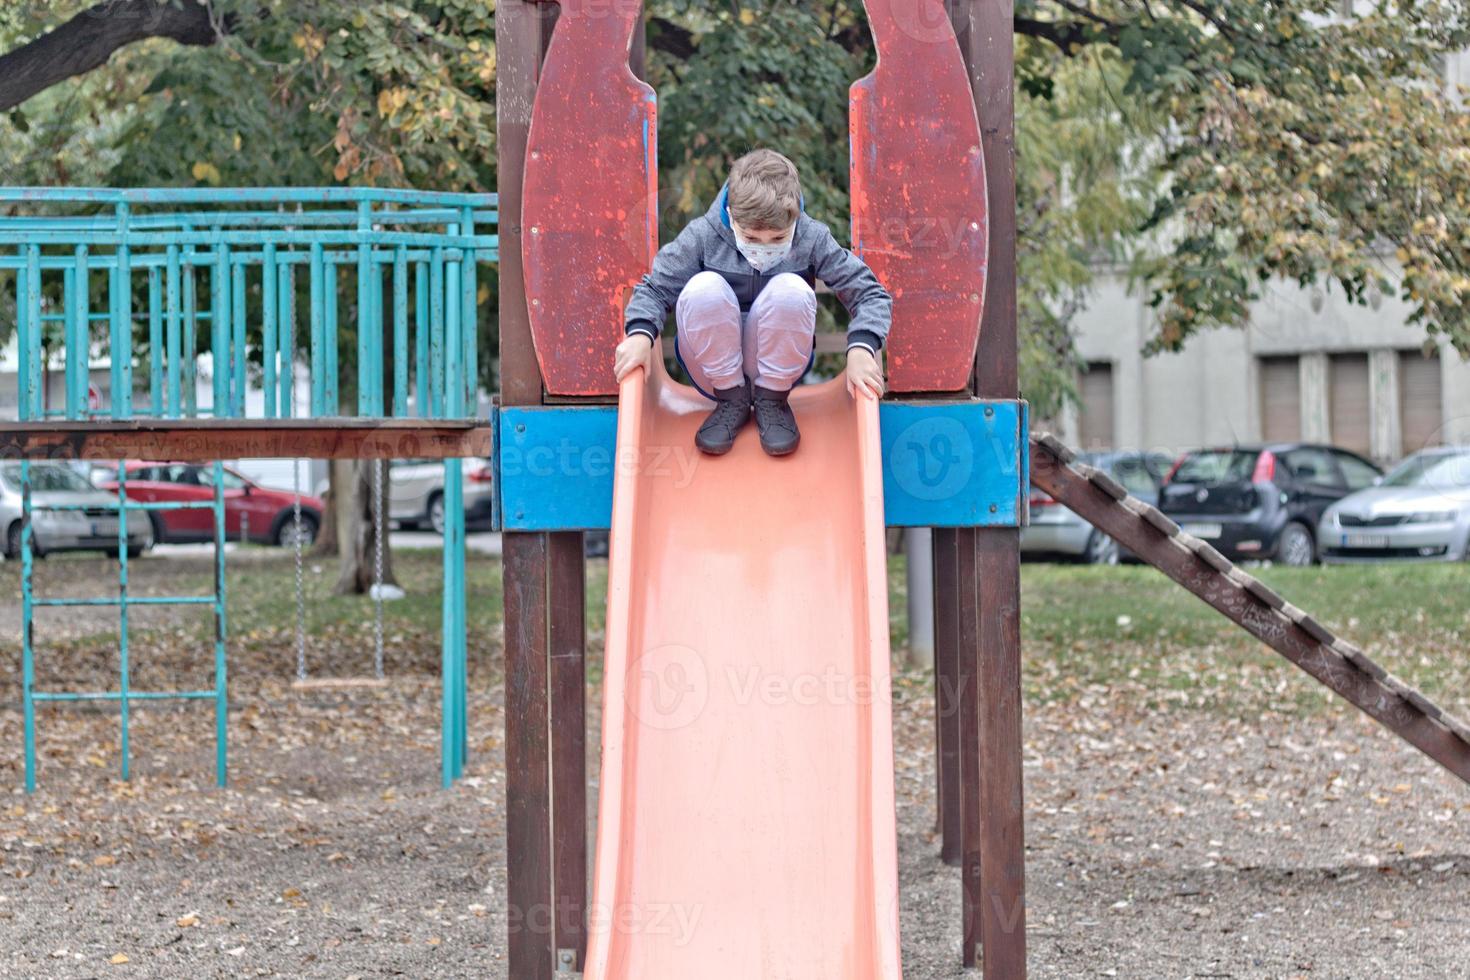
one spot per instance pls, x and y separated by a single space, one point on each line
1262 501
1056 529
416 493
1419 511
91 529
265 515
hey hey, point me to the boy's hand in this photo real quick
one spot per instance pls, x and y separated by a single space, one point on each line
864 375
632 354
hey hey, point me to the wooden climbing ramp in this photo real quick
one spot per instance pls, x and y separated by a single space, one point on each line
1250 604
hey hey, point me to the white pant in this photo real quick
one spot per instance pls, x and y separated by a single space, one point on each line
772 344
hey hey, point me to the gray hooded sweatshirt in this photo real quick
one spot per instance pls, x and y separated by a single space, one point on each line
708 243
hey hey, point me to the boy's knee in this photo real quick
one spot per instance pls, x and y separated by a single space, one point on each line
789 292
707 287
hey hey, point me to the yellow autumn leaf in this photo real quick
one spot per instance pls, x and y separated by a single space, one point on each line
747 16
206 172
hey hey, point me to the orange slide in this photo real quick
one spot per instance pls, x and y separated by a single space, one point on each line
746 824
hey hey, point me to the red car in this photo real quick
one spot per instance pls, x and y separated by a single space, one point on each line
266 515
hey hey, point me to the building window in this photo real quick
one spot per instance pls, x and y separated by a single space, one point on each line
1350 409
1095 422
1421 406
1281 399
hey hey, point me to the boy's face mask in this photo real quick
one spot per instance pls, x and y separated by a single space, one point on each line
760 255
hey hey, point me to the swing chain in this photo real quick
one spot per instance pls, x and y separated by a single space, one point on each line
379 528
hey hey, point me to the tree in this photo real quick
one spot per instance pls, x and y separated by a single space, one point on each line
1205 145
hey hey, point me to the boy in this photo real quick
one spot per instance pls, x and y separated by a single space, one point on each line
740 281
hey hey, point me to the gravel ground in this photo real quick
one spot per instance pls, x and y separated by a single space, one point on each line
1163 841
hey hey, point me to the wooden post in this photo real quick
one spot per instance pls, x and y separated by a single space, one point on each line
946 693
545 640
993 865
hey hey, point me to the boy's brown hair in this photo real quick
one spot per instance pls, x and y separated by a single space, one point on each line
765 191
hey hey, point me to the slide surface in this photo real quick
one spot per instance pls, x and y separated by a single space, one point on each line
746 815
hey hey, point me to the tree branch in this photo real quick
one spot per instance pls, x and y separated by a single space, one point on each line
1067 37
668 37
87 40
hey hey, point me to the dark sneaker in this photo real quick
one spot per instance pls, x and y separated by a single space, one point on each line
776 421
732 411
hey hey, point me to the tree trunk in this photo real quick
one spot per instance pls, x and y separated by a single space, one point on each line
89 39
339 474
357 531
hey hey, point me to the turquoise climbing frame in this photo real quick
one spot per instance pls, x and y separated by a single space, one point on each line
125 694
173 282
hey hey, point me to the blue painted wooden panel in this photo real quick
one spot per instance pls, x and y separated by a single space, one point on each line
954 464
556 467
945 464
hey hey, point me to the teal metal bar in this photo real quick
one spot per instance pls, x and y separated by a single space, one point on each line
175 330
190 326
237 345
317 315
365 327
400 333
269 288
219 330
78 301
469 320
68 332
221 700
28 665
148 600
121 306
453 343
242 195
286 334
451 614
122 614
421 330
436 335
141 505
155 341
333 404
65 696
23 342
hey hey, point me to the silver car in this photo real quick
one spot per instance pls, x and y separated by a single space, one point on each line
1419 511
416 492
92 528
1057 530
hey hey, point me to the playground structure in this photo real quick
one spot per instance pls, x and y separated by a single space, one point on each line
210 264
778 820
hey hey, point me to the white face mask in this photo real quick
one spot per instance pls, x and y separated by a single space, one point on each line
762 257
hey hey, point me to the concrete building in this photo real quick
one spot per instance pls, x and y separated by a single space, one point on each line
1308 365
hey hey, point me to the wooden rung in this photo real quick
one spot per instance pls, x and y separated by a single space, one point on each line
337 683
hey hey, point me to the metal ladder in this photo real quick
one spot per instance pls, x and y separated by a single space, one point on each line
124 695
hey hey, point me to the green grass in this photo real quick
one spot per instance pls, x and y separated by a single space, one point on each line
1125 633
1129 634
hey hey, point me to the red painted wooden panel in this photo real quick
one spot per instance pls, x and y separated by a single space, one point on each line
589 215
919 214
